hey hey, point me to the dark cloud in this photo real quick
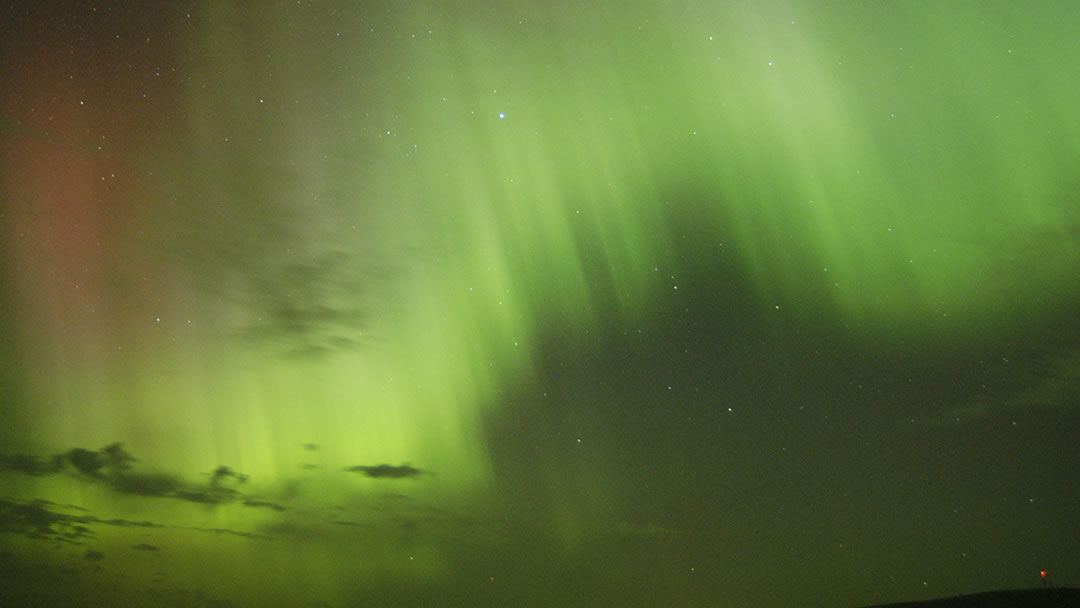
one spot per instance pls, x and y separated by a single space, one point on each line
388 471
223 475
206 496
30 465
112 465
250 502
354 524
146 484
118 458
94 556
39 519
123 523
87 462
229 532
42 520
111 460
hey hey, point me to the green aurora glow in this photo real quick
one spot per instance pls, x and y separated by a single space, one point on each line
373 229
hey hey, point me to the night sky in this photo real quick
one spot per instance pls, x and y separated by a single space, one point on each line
472 303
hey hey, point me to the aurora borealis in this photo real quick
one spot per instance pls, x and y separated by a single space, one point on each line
538 303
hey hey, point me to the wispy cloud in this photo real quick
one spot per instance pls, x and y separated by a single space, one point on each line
1052 383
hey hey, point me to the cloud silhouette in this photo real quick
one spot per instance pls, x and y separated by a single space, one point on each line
31 465
38 519
112 465
87 462
94 556
146 484
388 471
223 475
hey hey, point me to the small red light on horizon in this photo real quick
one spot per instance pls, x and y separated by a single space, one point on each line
1042 573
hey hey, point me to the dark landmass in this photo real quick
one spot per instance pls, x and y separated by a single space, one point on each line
1020 598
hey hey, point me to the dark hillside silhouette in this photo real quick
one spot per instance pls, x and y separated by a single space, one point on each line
1023 598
